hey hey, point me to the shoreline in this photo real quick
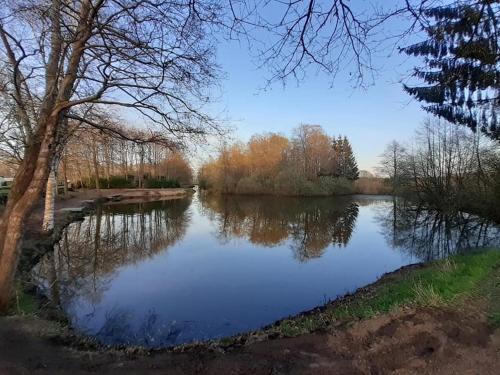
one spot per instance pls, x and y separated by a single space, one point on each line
72 209
38 244
414 337
77 207
49 326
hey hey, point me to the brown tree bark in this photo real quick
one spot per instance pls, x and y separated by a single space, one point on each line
26 192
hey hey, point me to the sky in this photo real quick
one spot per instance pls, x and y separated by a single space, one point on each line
370 117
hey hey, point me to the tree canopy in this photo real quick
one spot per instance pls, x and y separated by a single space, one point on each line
461 75
309 163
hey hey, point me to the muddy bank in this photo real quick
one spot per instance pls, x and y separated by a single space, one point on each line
407 341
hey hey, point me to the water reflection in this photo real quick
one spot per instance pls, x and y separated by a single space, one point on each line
311 224
431 234
170 272
90 251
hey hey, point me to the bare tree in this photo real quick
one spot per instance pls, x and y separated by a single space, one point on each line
59 57
391 164
331 36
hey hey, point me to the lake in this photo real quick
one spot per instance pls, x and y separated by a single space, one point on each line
207 266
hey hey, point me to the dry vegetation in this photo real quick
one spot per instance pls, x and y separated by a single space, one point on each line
372 186
310 163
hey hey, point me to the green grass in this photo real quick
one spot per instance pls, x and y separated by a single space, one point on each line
440 283
490 291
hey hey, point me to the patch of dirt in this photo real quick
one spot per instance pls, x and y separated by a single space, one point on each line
410 341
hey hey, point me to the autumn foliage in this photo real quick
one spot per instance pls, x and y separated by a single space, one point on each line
309 163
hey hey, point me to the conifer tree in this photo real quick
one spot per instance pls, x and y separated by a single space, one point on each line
337 157
344 163
461 73
350 168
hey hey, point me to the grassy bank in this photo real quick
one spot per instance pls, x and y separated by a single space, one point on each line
445 283
473 279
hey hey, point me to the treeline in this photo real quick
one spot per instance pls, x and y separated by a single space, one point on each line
92 159
446 167
309 163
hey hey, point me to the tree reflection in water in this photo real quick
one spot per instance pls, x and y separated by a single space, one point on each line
432 234
312 224
118 329
90 251
209 286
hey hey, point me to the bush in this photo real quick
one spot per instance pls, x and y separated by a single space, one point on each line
121 182
288 183
157 183
373 186
204 184
90 183
114 182
335 185
255 185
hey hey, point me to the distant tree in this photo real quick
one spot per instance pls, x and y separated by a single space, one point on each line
272 163
343 160
391 164
462 80
350 168
266 153
311 148
176 167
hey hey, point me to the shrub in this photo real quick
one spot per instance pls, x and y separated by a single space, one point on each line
335 185
90 183
204 184
288 183
157 183
372 185
121 182
255 185
248 185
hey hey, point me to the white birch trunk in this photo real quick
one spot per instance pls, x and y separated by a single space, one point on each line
50 201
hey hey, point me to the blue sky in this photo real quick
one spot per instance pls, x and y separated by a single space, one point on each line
370 117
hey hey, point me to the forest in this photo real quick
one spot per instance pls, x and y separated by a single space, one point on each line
95 160
309 163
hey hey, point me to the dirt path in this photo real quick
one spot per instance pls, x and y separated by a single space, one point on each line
424 341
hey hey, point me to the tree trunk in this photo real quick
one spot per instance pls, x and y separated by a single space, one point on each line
26 191
50 201
65 173
96 165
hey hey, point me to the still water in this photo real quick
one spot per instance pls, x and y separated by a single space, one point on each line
169 272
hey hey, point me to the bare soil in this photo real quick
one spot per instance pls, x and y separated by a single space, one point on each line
409 341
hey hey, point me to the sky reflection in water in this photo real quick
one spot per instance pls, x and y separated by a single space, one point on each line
169 272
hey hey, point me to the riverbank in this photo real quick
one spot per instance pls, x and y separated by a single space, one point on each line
439 318
92 196
70 208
